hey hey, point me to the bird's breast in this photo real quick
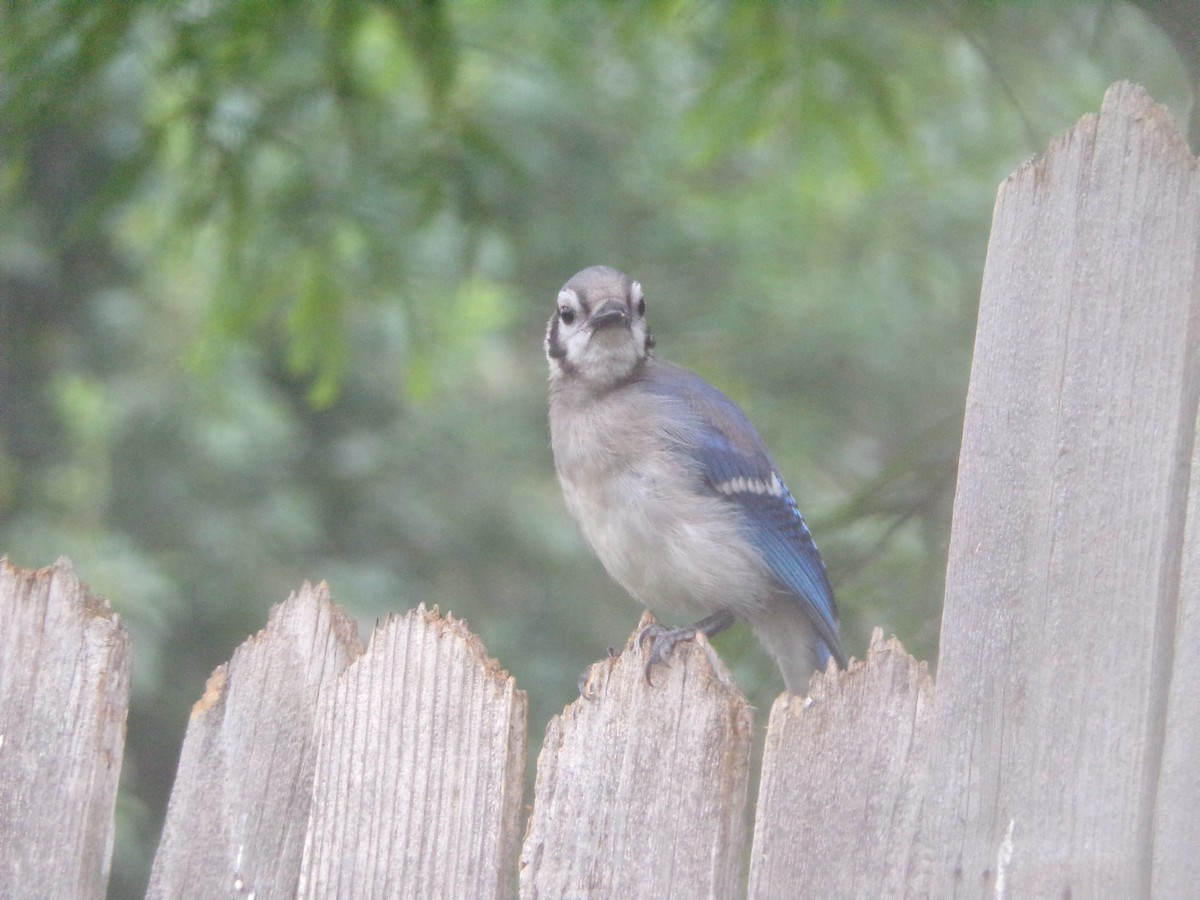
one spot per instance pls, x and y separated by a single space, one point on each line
674 546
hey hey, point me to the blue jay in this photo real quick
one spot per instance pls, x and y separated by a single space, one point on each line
675 490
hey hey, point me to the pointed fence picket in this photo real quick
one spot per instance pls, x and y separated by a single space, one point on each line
1059 754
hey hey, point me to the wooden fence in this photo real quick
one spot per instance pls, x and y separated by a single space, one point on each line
1058 757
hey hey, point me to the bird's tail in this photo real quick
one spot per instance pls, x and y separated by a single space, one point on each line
786 633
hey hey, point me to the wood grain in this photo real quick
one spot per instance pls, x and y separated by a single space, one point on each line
419 769
239 809
64 694
1176 836
641 789
843 779
1063 580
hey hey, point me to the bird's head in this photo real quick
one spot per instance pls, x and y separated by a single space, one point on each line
598 333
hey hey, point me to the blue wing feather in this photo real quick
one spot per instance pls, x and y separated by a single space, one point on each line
727 448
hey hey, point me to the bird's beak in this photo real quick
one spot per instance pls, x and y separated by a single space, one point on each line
611 313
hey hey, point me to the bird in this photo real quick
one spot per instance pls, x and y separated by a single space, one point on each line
675 491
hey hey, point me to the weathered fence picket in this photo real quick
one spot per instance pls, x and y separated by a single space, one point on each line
1062 588
842 781
240 806
64 695
420 764
1058 756
641 789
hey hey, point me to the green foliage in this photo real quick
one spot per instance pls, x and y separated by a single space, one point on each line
273 279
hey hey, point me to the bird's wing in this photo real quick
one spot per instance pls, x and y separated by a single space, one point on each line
735 464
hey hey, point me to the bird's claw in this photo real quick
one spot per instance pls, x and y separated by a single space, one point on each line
662 642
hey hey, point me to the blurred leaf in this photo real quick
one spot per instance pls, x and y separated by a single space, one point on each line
274 278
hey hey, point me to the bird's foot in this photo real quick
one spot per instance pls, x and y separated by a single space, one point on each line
662 642
663 639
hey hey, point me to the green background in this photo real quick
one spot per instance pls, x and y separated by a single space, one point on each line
274 279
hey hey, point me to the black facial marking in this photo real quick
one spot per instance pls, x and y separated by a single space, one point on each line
554 347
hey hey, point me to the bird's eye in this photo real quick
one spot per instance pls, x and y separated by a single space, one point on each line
642 307
566 314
